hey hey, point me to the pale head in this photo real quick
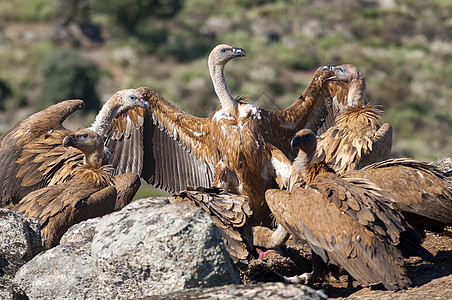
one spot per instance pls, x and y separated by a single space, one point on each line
356 84
128 98
347 73
223 53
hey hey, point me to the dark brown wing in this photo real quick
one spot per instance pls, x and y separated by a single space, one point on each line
58 207
231 213
415 187
29 146
169 148
309 111
356 140
126 186
346 225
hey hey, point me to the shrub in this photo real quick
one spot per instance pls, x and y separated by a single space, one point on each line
67 75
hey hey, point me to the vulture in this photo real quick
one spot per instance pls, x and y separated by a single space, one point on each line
420 191
32 155
345 222
228 149
358 138
230 212
90 192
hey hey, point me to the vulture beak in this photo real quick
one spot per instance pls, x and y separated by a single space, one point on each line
296 141
327 68
238 52
69 140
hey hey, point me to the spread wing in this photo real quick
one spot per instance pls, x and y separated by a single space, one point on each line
415 187
356 140
231 213
309 111
346 225
27 148
58 207
166 146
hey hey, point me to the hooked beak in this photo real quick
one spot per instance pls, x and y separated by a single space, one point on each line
69 140
238 52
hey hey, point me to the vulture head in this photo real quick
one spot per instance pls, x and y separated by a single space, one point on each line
223 53
120 102
305 140
353 80
218 58
125 99
88 142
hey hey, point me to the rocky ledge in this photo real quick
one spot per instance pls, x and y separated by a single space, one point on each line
150 249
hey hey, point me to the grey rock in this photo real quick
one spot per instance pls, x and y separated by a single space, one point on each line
11 291
270 290
20 241
148 248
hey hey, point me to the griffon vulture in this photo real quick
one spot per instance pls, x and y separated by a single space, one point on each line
345 222
357 138
228 149
421 192
31 153
231 213
89 193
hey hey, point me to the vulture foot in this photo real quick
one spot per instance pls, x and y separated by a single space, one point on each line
303 278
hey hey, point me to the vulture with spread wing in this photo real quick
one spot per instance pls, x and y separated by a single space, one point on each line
32 155
231 213
346 222
357 138
417 189
228 149
89 193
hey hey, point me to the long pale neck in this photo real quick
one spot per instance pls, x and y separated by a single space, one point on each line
221 89
356 92
103 119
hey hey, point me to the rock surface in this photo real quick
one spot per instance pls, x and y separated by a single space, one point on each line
148 248
20 241
269 290
11 291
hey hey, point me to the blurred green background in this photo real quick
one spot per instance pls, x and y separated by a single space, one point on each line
51 50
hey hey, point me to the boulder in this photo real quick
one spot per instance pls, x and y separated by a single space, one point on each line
148 248
20 241
11 291
259 291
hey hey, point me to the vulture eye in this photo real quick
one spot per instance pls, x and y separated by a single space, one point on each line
223 50
133 98
84 136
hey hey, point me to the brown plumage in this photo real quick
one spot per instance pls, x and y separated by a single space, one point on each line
230 144
418 190
89 193
346 222
357 138
31 154
231 213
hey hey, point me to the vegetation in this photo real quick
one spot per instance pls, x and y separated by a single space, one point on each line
67 75
402 46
